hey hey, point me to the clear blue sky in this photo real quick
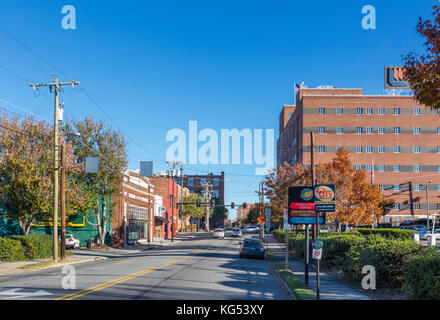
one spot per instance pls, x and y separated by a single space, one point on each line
155 65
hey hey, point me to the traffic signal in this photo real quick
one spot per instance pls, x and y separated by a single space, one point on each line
232 205
198 203
244 205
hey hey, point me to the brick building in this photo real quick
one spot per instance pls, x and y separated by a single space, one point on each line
135 210
392 136
195 184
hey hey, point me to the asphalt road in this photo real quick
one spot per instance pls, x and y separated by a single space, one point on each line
194 270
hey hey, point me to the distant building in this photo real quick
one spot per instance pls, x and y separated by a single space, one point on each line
195 184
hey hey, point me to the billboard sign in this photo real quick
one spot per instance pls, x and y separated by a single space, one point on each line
325 198
301 205
395 78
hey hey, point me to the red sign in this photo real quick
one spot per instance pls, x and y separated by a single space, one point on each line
302 206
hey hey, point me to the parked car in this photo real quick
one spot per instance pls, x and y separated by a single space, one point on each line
236 232
253 248
229 228
428 235
71 241
252 229
218 233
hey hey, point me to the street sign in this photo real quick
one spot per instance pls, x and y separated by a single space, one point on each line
317 244
317 254
301 204
163 209
325 198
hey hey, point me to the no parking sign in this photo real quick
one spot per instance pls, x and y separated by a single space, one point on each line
317 249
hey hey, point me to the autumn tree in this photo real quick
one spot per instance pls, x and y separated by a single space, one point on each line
95 139
357 200
277 184
26 173
423 72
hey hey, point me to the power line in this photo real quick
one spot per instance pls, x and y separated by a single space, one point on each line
23 109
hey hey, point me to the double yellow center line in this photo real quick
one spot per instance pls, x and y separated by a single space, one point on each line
123 279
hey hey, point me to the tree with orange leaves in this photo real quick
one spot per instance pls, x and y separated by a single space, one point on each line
357 200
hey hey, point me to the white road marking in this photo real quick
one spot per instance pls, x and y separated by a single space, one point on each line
18 295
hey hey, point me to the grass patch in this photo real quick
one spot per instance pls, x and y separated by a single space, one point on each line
38 265
295 284
270 255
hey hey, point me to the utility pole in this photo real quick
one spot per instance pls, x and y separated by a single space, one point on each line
55 86
182 179
207 198
427 205
63 201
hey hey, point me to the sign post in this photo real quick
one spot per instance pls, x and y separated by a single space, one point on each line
286 228
325 201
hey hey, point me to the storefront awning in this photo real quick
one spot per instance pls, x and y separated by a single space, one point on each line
158 219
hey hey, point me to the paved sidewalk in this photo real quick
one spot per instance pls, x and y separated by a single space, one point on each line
330 287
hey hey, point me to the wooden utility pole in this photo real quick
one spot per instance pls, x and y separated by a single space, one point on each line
55 86
63 202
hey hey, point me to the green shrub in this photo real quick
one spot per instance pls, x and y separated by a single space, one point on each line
388 233
11 250
388 257
279 235
336 248
37 246
422 278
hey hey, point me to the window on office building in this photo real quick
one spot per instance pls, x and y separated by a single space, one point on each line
381 168
321 149
396 149
202 181
417 168
340 110
381 186
417 149
321 110
438 168
381 130
417 187
368 167
359 111
396 168
438 149
190 182
381 111
381 149
321 130
359 130
338 147
358 166
369 149
396 130
340 130
369 130
289 114
416 206
417 130
359 149
396 187
369 111
397 206
396 111
417 111
216 182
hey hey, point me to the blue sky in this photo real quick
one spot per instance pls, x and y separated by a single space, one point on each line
155 66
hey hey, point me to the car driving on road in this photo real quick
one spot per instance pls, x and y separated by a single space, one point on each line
252 229
218 233
236 232
71 241
252 248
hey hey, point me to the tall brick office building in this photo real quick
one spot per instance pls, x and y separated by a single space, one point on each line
398 135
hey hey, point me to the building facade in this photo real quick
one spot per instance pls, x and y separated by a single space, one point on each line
134 220
195 184
393 138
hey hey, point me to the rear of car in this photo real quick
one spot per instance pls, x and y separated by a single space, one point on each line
252 248
71 242
218 233
236 232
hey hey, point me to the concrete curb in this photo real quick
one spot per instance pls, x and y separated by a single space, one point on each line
284 286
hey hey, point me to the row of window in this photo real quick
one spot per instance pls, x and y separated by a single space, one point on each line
203 181
415 187
382 168
380 149
369 111
370 130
